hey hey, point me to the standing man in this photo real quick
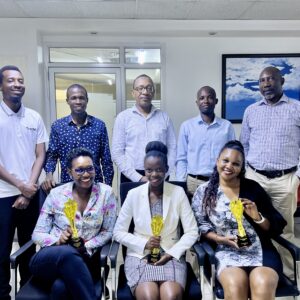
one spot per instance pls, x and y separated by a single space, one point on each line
271 137
22 154
200 141
78 130
135 127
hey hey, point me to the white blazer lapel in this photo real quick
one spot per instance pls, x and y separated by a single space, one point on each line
145 207
166 200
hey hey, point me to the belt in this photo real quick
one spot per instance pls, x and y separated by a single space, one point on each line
275 173
200 177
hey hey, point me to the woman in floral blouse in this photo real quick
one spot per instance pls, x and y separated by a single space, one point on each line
71 269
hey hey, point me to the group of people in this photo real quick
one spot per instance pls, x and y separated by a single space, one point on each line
261 170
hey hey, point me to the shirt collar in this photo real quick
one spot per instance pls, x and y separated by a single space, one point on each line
87 120
283 98
9 112
135 109
215 121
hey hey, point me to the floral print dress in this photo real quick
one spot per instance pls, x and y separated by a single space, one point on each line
223 223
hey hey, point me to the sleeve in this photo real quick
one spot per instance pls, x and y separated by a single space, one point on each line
42 136
41 233
245 133
109 212
121 234
106 162
190 232
182 149
231 133
171 144
52 153
266 208
118 149
204 224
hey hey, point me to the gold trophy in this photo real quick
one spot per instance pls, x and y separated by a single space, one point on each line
237 209
70 209
157 224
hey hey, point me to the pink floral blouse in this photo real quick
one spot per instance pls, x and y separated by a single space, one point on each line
95 225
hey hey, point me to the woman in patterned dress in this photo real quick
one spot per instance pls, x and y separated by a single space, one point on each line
71 271
166 278
252 268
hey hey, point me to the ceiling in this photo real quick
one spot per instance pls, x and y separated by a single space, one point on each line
153 9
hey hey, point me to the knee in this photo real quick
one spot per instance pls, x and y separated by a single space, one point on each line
172 294
59 290
264 284
234 288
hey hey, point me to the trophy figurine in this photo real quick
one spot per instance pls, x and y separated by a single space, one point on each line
157 224
70 209
236 208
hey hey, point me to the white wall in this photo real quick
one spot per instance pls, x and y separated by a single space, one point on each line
193 58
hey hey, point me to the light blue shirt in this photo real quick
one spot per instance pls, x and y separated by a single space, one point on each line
271 134
199 145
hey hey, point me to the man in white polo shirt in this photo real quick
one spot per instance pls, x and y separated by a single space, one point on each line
22 153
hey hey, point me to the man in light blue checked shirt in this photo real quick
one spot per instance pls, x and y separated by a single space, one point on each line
271 137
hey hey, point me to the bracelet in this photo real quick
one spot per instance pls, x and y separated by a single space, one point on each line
260 221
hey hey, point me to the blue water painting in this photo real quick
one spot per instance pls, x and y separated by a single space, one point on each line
242 88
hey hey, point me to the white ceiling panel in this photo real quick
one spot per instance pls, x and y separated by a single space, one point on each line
49 9
10 9
106 9
153 9
163 9
274 10
219 10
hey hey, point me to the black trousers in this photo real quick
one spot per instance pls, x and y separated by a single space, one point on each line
125 179
24 221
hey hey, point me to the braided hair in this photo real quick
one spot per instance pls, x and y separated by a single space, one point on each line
211 191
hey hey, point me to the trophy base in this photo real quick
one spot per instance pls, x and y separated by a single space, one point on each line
243 241
77 242
153 258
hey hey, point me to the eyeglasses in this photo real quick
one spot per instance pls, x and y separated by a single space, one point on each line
81 171
149 89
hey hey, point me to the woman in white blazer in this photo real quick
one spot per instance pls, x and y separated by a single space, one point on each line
166 278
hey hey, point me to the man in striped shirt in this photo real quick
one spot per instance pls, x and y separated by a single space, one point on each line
271 137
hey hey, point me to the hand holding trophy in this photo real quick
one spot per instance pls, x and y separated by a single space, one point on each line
237 209
70 209
157 224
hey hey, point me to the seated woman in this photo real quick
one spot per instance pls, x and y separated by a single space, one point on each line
72 270
166 278
251 268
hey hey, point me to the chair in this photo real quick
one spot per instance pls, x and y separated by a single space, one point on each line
192 290
286 287
34 289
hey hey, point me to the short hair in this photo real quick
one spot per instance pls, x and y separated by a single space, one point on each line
157 149
8 68
76 152
140 76
210 89
77 86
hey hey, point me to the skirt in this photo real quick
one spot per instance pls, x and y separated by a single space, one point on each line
139 271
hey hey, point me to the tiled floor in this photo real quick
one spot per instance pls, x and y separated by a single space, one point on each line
206 293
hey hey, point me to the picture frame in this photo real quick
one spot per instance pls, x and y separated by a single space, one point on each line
240 74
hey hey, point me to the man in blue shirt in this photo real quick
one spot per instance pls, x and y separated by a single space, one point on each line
200 141
78 130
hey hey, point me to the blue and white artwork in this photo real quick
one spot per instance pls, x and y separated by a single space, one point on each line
241 82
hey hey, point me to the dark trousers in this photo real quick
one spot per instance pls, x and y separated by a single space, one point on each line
24 221
70 275
125 179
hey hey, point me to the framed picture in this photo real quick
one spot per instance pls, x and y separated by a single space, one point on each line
240 74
